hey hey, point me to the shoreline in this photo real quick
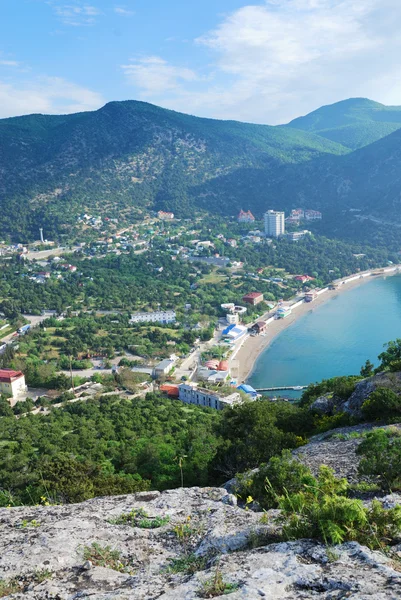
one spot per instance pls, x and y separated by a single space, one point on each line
247 355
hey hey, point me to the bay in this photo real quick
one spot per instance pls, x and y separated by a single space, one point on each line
335 338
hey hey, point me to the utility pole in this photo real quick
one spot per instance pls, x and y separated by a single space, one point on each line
72 381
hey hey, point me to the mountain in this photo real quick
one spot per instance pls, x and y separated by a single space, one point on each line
130 154
354 123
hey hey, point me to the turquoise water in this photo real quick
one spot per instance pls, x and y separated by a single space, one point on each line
333 339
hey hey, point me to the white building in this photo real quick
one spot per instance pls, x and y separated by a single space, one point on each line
232 318
12 384
274 223
163 368
158 316
294 236
192 394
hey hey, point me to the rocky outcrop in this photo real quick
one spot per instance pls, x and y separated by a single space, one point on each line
365 387
329 404
179 544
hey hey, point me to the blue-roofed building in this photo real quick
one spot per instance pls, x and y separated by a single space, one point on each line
234 332
248 389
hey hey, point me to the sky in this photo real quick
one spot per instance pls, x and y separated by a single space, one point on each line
262 62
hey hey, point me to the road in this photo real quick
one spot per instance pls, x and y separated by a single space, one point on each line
34 320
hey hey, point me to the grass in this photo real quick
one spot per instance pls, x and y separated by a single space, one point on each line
16 585
105 556
140 518
188 564
216 586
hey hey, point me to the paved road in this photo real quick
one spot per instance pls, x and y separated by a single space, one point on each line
34 320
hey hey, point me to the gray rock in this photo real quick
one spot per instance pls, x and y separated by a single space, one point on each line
323 405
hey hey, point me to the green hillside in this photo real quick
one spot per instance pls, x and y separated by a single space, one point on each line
131 154
353 123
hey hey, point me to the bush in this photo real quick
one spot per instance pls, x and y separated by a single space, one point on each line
382 404
381 451
323 511
282 474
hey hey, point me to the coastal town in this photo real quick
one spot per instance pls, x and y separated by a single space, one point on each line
225 343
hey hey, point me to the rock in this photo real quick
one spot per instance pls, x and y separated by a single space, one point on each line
201 521
230 499
147 496
323 405
365 387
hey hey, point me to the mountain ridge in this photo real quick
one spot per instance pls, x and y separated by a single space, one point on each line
133 155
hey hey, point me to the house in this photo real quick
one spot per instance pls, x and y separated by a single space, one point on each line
12 384
253 298
190 393
232 318
303 278
231 242
259 327
245 216
72 268
165 215
163 368
44 274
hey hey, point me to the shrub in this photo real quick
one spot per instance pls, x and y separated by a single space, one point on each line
381 452
281 474
323 511
139 518
381 404
105 556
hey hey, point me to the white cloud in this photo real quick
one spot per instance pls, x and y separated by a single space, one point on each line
153 75
123 12
49 95
277 60
9 63
76 14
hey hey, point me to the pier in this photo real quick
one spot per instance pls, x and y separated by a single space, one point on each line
283 389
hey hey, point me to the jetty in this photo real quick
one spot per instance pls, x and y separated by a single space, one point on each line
283 389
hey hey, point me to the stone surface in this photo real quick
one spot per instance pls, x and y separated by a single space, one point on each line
202 521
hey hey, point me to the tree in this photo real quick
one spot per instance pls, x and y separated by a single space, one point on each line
381 458
367 369
391 357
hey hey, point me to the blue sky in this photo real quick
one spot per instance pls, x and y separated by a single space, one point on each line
264 62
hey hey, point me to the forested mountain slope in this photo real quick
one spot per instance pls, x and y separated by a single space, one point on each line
133 155
354 123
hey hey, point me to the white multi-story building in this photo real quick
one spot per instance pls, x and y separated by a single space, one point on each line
192 394
158 316
274 223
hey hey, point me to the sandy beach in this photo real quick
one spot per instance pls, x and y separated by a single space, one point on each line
244 361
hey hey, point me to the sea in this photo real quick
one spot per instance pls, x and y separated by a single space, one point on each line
335 338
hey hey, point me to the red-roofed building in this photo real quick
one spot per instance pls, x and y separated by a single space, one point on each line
12 383
303 278
253 298
245 216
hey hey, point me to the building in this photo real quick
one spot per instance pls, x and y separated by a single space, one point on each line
310 296
12 383
253 298
283 312
303 278
158 316
245 216
259 327
232 318
274 223
163 368
294 236
313 215
248 389
212 375
165 215
234 332
192 394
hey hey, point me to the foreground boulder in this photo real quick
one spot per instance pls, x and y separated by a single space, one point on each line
176 545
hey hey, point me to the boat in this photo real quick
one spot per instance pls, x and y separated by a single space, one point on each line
298 387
